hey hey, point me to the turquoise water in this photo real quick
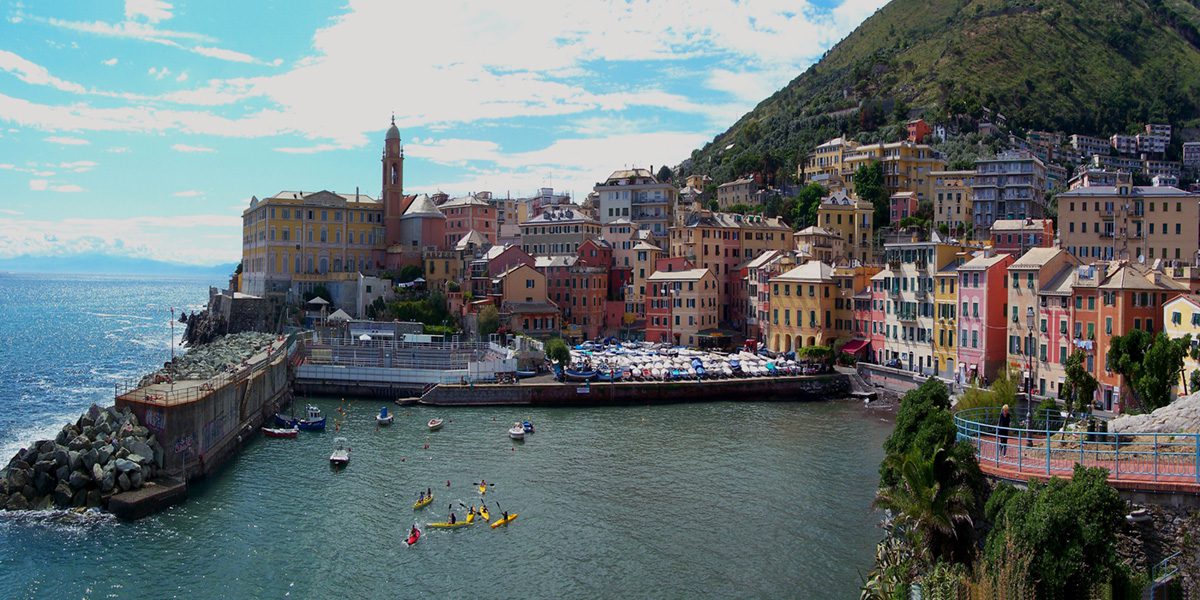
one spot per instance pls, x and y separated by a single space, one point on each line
723 499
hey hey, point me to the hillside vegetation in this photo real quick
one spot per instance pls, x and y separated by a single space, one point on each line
1080 66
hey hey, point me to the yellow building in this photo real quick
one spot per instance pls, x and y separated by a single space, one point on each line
305 236
802 307
850 218
821 244
952 198
645 256
945 321
1181 316
443 267
850 281
824 165
681 306
907 166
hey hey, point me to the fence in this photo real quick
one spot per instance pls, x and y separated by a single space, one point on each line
1019 453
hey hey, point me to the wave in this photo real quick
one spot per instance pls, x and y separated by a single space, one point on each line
119 316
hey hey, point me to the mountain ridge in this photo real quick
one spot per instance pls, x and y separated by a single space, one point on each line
107 264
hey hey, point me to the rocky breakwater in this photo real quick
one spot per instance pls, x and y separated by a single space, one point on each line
1180 416
105 452
205 361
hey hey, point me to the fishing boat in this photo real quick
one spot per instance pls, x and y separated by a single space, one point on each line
525 374
435 424
314 421
384 418
516 432
527 426
610 375
341 452
577 375
289 432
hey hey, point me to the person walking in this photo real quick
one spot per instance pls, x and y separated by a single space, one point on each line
1002 430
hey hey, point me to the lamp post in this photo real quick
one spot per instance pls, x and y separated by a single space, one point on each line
1029 361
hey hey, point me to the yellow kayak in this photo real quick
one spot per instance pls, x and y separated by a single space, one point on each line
483 512
503 521
422 503
445 525
470 518
482 490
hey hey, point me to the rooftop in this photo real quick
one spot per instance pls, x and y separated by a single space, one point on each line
688 275
1036 258
811 271
1005 225
983 263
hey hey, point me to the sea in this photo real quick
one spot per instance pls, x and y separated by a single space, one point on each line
730 498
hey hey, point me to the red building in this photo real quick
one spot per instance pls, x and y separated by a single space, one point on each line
467 214
501 258
903 204
918 130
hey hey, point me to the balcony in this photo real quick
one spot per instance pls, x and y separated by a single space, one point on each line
907 315
922 294
894 264
922 263
894 292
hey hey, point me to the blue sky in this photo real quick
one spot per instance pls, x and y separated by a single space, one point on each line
143 127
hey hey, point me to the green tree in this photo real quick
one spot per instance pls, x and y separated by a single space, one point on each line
1005 388
557 351
1079 387
489 320
409 273
868 185
1068 527
713 206
808 199
1150 363
933 501
1194 379
923 421
665 174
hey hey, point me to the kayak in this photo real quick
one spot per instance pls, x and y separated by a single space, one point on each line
482 490
422 503
470 518
483 512
412 538
503 521
445 525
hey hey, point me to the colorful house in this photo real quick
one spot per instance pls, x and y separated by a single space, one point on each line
945 324
981 330
679 305
1181 316
1033 342
802 307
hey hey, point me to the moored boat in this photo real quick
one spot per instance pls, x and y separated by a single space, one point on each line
527 426
435 424
314 421
525 374
580 375
516 432
384 417
289 432
341 452
285 421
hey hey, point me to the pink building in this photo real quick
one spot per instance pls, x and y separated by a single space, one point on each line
1016 236
467 214
876 313
983 331
903 204
502 258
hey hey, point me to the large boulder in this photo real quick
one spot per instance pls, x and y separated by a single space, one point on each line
103 454
124 465
46 446
63 473
62 456
140 431
79 443
139 459
64 436
123 482
75 461
78 480
89 458
63 495
16 502
141 448
103 429
45 466
97 472
18 478
108 482
135 479
93 498
42 482
80 498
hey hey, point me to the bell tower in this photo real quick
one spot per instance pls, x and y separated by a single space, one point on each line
393 184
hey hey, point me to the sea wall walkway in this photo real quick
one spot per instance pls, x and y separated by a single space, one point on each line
1157 464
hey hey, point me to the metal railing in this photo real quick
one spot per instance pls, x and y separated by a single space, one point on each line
1055 448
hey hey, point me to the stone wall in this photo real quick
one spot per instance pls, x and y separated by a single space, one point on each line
566 394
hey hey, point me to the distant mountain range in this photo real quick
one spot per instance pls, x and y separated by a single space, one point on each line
103 264
1094 67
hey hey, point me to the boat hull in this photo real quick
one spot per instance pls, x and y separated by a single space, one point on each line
384 420
280 433
306 425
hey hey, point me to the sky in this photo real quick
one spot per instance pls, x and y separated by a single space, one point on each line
143 128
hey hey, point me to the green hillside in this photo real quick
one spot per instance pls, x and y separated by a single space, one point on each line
1080 66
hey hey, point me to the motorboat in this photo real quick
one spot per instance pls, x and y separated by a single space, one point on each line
580 375
516 432
313 421
341 452
289 432
384 417
527 426
525 374
435 424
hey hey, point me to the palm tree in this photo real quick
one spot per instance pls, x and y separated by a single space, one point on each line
933 501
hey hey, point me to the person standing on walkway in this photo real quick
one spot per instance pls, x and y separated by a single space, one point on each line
1002 430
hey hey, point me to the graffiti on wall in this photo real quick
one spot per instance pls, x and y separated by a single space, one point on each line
156 420
185 446
212 432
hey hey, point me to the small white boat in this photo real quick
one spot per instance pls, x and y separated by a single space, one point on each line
341 452
435 424
516 432
384 417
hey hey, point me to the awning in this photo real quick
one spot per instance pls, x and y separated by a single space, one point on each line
855 346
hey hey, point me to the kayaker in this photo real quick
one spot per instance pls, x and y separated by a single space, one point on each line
428 491
505 517
453 519
412 534
421 496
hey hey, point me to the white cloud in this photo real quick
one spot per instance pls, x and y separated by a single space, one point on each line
223 54
150 10
178 238
35 74
109 62
38 185
78 166
188 194
182 77
67 188
67 141
158 72
41 185
189 148
9 211
315 149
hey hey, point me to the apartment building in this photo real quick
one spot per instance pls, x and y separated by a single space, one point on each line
558 231
852 219
982 309
1086 146
825 164
1191 154
738 191
945 324
818 243
636 195
1123 144
1034 339
907 166
902 205
680 305
952 200
759 272
1127 222
1181 316
802 307
466 214
1015 236
1010 186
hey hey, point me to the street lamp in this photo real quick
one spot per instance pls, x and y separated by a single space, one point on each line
1029 361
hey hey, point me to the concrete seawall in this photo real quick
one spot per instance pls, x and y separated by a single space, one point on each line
822 387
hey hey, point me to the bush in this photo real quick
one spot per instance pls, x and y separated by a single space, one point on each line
557 351
1047 410
489 321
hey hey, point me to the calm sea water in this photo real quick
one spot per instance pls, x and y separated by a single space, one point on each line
724 499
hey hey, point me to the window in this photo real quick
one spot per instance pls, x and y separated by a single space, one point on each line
1062 355
1177 317
1091 303
974 339
1029 281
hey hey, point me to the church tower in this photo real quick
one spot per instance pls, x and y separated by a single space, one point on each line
393 184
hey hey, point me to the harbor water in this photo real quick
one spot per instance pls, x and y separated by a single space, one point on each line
733 498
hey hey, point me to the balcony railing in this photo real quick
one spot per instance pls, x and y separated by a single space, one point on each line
922 294
893 264
908 315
